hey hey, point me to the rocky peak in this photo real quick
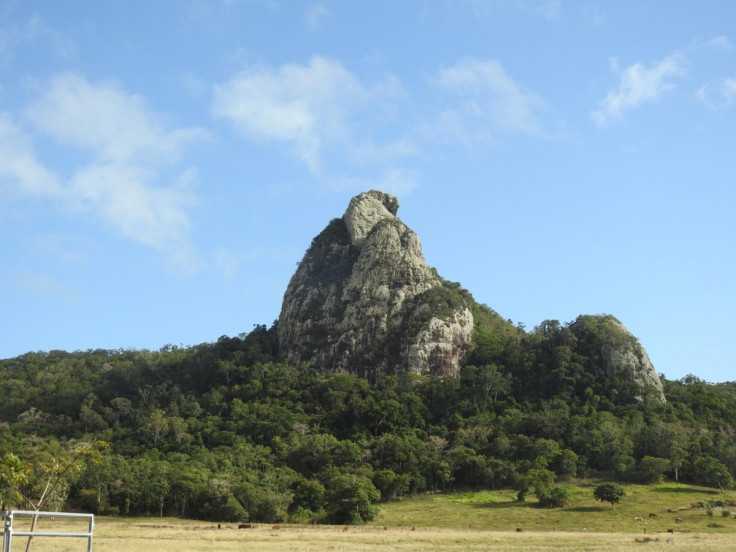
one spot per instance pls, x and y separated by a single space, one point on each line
364 301
365 211
613 352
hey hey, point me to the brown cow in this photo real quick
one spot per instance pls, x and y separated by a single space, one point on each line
413 528
671 531
346 528
385 527
276 527
679 520
518 529
652 516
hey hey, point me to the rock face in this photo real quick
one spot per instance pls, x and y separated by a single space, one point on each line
364 301
614 353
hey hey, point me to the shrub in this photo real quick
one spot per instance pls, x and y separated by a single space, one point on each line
559 497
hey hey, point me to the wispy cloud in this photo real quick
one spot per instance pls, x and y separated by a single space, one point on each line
490 103
719 93
316 13
547 9
114 124
35 30
65 248
18 161
36 284
132 180
638 85
720 43
309 107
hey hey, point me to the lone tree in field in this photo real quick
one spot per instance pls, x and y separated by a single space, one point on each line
609 492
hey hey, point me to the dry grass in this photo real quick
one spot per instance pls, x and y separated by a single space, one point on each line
173 535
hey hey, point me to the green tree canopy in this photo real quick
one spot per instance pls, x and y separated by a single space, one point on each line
609 492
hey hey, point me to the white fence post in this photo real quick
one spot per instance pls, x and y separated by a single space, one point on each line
8 531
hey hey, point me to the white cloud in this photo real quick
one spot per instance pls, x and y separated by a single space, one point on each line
316 13
115 125
125 197
131 148
720 43
638 85
18 161
490 102
309 107
719 93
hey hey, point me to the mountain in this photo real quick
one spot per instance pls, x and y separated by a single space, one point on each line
364 301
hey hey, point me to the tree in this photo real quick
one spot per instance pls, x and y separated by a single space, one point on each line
609 492
46 478
156 426
709 471
493 381
350 499
651 469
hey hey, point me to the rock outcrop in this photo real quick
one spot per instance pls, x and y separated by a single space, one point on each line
613 352
364 301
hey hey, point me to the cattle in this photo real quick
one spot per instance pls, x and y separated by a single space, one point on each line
413 528
638 519
275 527
679 520
245 526
671 531
346 528
518 529
652 516
219 526
385 527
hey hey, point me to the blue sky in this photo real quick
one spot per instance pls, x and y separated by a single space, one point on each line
164 165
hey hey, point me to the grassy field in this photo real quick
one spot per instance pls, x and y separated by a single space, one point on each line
500 511
171 535
483 522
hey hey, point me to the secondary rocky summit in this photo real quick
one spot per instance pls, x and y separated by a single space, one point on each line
364 301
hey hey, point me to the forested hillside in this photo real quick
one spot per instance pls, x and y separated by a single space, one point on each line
224 431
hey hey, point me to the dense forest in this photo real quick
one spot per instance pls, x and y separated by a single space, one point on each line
224 431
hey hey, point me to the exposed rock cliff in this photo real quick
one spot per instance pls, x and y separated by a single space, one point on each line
363 300
614 353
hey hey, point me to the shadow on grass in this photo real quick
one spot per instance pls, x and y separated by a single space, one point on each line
504 504
686 490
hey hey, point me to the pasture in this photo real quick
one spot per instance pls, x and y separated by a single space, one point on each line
499 511
171 535
482 521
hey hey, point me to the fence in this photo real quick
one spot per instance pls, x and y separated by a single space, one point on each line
9 533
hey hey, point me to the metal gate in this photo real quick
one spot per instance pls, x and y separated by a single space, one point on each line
9 533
